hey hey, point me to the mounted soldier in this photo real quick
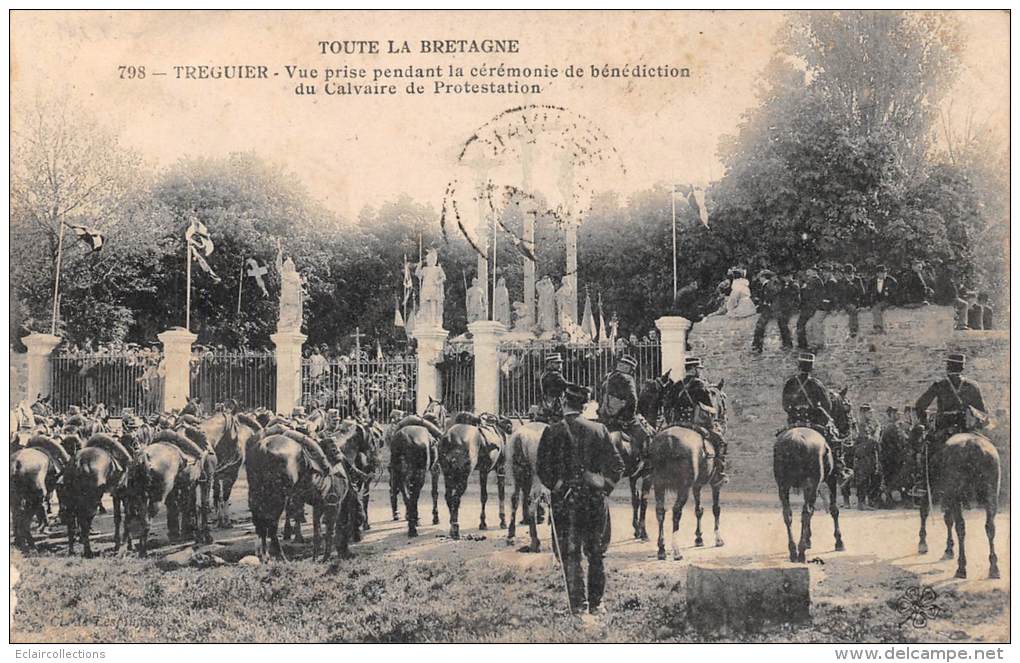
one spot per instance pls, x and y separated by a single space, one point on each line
960 408
693 407
807 402
553 383
580 466
618 409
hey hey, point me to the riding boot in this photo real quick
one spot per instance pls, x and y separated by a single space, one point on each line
719 477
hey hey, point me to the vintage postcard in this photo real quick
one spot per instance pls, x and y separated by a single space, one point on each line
510 327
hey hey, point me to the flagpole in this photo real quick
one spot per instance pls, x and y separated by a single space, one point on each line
56 281
240 282
673 196
492 300
187 316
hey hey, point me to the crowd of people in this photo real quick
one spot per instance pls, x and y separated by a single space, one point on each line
809 295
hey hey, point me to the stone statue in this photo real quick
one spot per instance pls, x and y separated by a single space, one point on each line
546 305
565 303
433 293
501 303
475 301
522 322
290 298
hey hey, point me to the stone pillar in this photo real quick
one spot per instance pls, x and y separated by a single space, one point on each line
40 348
571 275
673 331
429 350
177 365
288 370
486 336
529 270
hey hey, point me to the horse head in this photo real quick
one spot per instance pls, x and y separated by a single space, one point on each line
842 411
436 413
653 392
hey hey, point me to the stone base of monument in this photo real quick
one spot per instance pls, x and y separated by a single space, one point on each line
723 598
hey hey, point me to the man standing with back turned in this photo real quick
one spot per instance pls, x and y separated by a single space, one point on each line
580 466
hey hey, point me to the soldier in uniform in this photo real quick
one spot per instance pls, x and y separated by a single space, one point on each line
813 298
805 398
690 396
851 296
553 384
618 409
580 466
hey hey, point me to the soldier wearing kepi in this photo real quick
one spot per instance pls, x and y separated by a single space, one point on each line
692 405
958 401
553 384
618 409
580 466
805 398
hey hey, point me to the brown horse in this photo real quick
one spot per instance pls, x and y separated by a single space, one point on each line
162 473
35 470
418 446
967 466
282 478
801 458
522 449
357 444
96 469
469 446
228 434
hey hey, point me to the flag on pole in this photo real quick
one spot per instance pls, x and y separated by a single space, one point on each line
408 283
410 322
90 236
603 330
203 264
398 320
257 271
587 319
198 237
696 199
378 350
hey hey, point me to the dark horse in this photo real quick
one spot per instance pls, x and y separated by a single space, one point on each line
35 470
356 443
473 443
413 453
801 458
161 473
282 477
228 434
97 469
966 466
522 449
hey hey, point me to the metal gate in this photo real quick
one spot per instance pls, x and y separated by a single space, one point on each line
588 364
247 377
360 386
457 377
118 380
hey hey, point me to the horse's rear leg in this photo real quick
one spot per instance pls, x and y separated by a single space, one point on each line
810 495
85 527
515 496
317 534
834 511
660 515
678 510
435 494
411 494
646 485
947 517
961 533
716 511
698 512
453 492
366 491
993 560
635 505
393 494
483 481
501 494
922 534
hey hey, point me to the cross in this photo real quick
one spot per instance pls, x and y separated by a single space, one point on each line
258 271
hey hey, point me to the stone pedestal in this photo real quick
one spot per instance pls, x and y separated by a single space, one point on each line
486 336
673 331
38 379
288 370
177 362
744 599
429 349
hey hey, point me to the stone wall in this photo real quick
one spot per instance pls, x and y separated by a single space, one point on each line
19 377
883 370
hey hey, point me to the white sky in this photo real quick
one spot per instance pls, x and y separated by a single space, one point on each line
350 151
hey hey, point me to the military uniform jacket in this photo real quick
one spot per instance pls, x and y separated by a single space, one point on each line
951 398
813 294
851 290
619 399
688 393
573 445
804 392
553 384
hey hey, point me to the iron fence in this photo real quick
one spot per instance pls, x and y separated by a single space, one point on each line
588 364
457 376
247 377
360 386
118 380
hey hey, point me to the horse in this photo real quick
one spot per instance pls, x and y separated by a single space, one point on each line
967 465
413 452
356 443
522 449
228 433
35 470
93 472
162 473
802 458
281 477
473 442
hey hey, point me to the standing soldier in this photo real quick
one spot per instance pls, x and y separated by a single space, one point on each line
580 466
553 384
763 292
813 298
692 405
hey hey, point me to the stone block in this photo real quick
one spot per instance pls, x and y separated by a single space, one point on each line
745 598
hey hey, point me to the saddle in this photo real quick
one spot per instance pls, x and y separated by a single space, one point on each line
58 456
190 452
311 450
415 420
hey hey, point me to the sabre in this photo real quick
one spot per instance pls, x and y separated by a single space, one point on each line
559 559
